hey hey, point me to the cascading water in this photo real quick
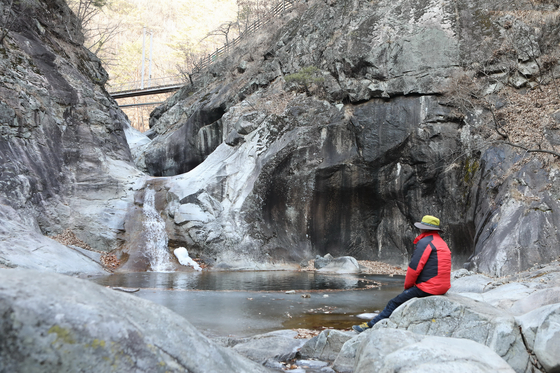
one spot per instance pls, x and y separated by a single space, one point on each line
156 236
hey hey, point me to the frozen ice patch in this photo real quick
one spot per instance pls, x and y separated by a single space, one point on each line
367 316
183 256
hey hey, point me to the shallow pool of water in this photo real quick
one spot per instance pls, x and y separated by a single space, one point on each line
249 303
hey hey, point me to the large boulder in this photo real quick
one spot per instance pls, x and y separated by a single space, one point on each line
346 358
541 330
54 323
266 349
460 317
343 264
391 350
325 346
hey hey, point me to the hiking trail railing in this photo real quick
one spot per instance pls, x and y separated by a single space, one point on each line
167 84
276 11
150 84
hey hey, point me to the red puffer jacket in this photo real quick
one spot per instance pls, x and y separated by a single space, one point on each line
430 266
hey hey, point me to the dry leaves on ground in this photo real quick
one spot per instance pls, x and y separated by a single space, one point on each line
368 267
68 238
306 333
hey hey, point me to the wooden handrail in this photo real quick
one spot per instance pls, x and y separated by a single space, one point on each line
278 9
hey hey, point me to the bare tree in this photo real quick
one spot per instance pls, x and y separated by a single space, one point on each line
190 56
98 38
223 30
7 19
514 116
86 10
97 35
249 11
526 57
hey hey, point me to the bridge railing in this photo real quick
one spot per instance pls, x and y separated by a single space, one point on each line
147 84
281 7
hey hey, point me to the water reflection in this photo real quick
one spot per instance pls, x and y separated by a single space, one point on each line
249 303
243 281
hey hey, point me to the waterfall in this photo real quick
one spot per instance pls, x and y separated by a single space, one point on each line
156 236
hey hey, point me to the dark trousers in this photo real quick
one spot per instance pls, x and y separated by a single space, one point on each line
408 294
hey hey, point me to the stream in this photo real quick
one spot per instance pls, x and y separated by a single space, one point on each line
246 303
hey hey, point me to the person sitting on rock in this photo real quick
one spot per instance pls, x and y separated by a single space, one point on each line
428 273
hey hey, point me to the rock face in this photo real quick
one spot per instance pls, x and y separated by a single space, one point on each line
64 158
374 142
54 323
342 129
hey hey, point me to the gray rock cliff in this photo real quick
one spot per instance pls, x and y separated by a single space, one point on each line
373 142
331 131
64 158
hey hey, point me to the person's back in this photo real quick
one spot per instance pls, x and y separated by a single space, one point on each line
430 266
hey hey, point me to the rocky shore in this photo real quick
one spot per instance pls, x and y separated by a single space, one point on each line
53 323
348 264
483 324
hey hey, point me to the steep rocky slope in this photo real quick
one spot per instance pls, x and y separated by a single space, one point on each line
331 131
338 129
64 158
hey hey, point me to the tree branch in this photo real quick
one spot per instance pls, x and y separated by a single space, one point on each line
532 150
